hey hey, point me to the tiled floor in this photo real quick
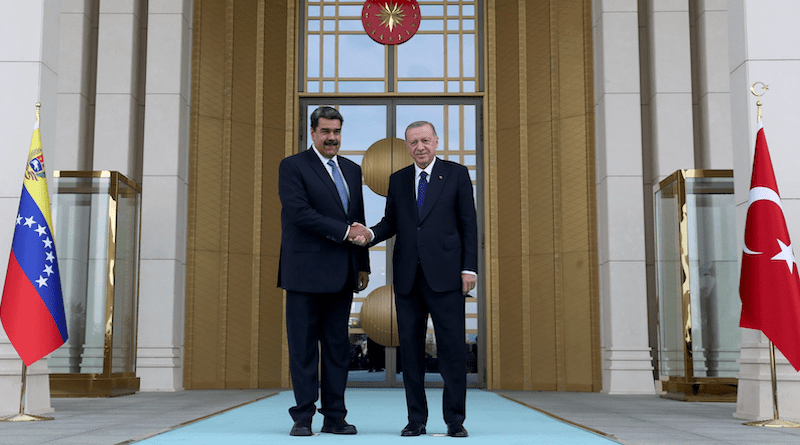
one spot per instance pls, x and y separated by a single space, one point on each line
633 420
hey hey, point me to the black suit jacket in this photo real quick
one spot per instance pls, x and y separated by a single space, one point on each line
443 238
314 256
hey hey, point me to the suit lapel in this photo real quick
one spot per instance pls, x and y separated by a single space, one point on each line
407 195
322 172
435 184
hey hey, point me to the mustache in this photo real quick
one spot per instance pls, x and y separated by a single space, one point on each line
332 142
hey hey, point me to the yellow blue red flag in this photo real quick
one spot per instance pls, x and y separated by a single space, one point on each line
32 308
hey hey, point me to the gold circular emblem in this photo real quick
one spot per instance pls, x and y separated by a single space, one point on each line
390 22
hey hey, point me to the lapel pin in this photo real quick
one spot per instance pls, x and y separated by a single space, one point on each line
440 177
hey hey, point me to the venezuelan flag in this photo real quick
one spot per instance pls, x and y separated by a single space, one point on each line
32 308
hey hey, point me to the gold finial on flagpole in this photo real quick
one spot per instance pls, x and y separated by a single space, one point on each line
38 106
764 91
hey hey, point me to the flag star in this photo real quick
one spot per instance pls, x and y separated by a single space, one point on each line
41 281
19 219
29 222
41 230
786 255
48 243
50 256
48 269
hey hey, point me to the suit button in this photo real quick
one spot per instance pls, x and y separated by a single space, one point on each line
419 228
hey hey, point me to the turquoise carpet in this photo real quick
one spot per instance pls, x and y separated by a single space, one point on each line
379 415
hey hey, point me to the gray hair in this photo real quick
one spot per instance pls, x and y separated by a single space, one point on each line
420 124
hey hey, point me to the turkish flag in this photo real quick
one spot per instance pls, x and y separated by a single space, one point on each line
769 286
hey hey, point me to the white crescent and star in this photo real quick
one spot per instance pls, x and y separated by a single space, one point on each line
767 194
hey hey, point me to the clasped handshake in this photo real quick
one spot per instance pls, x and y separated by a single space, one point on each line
359 234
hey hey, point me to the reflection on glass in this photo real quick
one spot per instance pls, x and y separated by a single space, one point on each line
351 11
363 58
420 87
361 86
468 55
713 271
126 275
712 277
453 57
96 222
421 56
351 25
669 286
312 49
328 50
431 10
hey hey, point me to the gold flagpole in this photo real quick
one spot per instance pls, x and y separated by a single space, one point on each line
22 417
776 421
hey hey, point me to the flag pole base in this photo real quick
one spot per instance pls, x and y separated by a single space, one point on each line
774 423
24 418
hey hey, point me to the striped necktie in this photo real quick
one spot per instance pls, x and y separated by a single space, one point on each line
337 179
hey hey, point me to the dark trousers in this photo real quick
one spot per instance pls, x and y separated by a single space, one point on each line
447 311
313 319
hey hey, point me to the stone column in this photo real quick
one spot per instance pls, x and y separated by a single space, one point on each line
711 86
626 360
120 87
668 142
763 37
165 187
29 70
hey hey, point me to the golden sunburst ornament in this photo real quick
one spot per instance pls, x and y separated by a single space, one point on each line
391 15
390 22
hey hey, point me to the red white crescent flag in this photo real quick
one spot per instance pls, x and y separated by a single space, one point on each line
769 286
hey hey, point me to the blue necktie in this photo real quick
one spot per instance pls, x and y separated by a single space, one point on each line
421 188
337 179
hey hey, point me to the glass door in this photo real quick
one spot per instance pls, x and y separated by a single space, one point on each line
367 121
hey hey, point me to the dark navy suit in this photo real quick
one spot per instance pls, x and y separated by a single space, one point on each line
319 270
430 252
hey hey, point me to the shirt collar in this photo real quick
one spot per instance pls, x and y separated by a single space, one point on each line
323 159
428 169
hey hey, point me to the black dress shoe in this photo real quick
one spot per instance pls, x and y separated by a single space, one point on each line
338 426
413 429
301 428
456 430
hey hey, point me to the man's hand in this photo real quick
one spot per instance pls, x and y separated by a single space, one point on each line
468 282
359 234
363 280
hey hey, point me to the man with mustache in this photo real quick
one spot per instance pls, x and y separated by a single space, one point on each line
431 209
320 195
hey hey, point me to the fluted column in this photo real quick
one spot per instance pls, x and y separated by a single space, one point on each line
165 177
626 357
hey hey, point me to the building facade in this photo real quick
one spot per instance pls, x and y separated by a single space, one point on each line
569 113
